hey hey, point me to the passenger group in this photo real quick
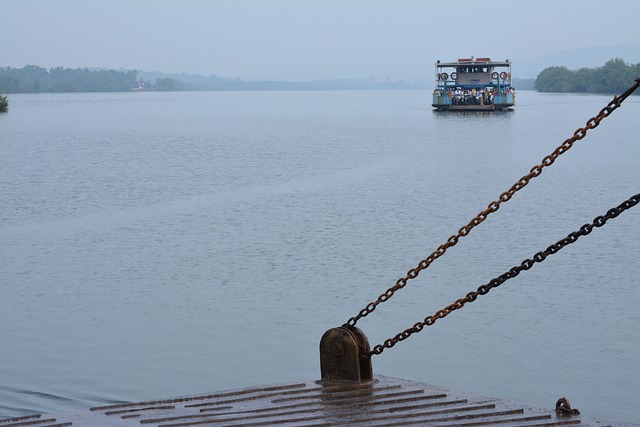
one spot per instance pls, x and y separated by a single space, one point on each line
474 96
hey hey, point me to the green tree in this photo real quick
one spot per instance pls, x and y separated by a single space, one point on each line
32 78
4 104
614 77
168 84
554 79
581 80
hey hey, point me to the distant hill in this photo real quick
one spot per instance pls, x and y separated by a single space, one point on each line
195 79
524 84
32 78
215 82
575 59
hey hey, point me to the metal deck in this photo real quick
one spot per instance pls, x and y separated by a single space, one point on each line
385 402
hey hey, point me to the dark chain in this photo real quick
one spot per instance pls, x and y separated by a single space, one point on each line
495 205
599 221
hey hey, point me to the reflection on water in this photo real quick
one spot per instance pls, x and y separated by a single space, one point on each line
498 114
162 244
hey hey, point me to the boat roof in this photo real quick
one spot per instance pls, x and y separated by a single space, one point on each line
476 61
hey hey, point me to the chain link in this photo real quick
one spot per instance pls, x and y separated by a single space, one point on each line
586 229
495 205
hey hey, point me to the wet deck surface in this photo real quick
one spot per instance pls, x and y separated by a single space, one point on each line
386 402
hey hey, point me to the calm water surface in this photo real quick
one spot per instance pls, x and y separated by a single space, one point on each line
163 244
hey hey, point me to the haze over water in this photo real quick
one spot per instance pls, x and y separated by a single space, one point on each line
315 40
163 244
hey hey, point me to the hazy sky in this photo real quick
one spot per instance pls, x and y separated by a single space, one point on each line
302 39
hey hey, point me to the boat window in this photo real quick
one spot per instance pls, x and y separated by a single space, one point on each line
468 69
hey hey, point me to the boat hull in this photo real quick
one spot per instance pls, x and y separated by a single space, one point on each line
500 103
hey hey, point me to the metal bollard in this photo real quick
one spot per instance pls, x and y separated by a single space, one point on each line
342 355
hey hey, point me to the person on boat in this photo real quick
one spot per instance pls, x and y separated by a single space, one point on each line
457 96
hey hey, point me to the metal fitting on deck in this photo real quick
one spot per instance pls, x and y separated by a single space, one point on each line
343 355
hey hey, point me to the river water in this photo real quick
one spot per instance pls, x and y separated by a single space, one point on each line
163 244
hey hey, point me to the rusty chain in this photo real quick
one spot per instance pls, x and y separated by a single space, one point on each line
586 229
495 205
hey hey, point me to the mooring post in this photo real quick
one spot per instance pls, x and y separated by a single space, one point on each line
344 355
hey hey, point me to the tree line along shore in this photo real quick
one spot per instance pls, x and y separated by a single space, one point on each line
613 77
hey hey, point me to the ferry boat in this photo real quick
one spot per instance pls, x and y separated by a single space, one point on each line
473 84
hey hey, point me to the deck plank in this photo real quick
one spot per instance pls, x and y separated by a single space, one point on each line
384 402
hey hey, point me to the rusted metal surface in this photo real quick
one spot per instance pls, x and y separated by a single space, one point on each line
383 402
563 407
342 352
